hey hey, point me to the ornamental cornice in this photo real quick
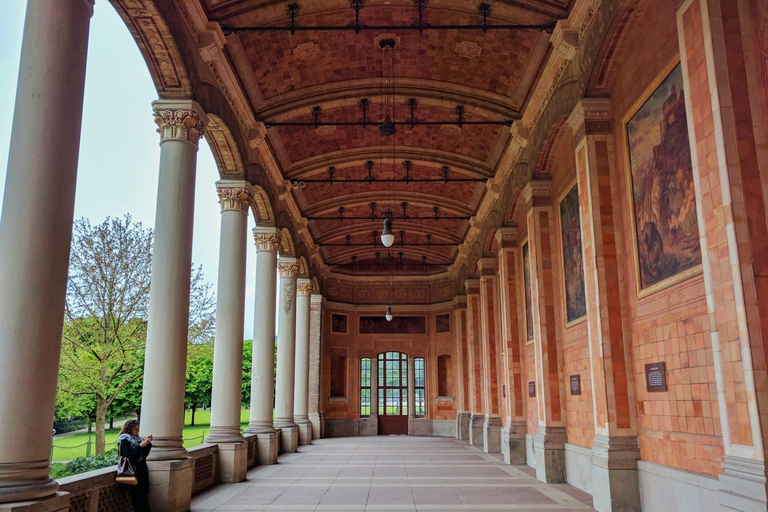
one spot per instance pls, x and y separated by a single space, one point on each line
538 193
459 302
506 237
182 120
487 266
591 116
266 239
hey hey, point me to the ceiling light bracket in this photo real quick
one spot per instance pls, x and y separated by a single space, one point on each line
316 113
364 105
292 10
421 6
356 24
484 9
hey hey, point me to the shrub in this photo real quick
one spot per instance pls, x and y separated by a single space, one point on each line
84 464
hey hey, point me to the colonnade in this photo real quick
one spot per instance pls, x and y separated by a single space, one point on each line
35 239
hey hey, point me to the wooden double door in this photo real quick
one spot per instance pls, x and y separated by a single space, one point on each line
392 402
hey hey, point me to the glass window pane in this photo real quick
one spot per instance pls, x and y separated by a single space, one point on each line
381 372
381 401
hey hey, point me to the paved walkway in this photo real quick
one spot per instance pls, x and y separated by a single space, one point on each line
392 474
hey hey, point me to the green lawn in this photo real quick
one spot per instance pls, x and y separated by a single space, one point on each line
68 448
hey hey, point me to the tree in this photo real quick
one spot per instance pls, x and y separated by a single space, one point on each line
198 387
247 367
105 321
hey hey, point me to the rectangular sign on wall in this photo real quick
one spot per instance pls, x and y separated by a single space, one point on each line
575 384
656 377
532 389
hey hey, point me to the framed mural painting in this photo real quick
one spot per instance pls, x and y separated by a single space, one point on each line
442 323
339 323
573 259
528 294
661 189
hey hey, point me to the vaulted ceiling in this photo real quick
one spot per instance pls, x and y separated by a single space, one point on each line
286 75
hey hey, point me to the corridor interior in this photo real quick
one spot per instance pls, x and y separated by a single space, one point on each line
392 473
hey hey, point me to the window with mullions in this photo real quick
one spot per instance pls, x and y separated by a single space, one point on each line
419 375
365 386
393 384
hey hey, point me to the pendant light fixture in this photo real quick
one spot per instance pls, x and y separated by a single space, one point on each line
387 237
388 314
387 127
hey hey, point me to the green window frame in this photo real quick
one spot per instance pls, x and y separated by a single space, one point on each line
419 387
365 386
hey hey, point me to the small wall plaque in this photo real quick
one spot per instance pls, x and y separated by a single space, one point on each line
532 389
575 384
656 377
504 390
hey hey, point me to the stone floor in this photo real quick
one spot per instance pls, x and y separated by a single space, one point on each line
392 474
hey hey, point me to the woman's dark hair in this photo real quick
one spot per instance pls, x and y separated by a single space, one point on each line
129 426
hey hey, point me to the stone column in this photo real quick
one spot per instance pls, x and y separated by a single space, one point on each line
301 384
286 354
35 238
615 450
489 332
549 443
411 395
232 458
180 125
723 46
315 366
263 363
462 367
513 433
477 415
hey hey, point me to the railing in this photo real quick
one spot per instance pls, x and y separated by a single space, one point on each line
204 466
96 491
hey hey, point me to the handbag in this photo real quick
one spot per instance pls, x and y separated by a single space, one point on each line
125 472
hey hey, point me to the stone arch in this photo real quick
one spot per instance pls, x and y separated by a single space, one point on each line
303 267
512 196
461 277
225 151
475 253
287 248
262 207
157 46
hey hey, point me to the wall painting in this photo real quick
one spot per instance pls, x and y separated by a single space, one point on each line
339 323
398 325
573 261
442 323
662 190
528 293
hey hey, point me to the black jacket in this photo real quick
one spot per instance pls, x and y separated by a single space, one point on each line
138 458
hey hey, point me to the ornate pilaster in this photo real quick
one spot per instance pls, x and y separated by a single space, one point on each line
615 449
550 438
513 433
462 366
181 120
315 366
474 336
489 332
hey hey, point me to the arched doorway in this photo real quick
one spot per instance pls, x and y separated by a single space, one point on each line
393 393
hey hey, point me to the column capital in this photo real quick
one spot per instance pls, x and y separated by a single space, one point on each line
487 266
304 287
288 267
179 120
266 239
538 193
473 286
506 237
565 40
234 195
590 116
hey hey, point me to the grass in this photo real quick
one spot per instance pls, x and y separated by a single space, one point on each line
67 448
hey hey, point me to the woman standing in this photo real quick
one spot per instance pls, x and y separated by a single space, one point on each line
136 449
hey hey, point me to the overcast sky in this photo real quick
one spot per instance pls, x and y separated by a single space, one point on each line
119 149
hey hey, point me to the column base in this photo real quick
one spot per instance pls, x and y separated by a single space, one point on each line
26 481
168 448
462 425
476 429
219 435
549 451
318 426
231 462
305 432
615 484
59 502
492 434
513 442
743 485
289 437
267 448
170 484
